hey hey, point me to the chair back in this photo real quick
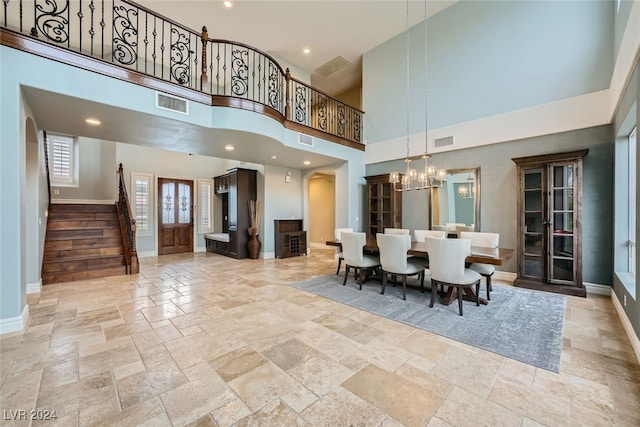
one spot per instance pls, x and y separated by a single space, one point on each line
393 249
352 245
420 235
447 258
486 240
338 232
397 231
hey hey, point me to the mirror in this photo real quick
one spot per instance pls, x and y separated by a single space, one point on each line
457 203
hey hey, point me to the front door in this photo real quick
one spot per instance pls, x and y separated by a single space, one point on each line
175 216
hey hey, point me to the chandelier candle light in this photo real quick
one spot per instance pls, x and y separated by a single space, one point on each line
428 177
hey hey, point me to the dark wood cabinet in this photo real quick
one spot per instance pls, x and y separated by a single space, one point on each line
234 189
550 222
291 239
384 205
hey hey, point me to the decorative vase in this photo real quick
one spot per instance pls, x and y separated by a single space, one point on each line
254 245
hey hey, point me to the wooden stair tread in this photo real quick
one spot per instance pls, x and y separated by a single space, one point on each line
82 275
81 208
82 264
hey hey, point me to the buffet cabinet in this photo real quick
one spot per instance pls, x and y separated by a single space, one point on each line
384 205
550 222
291 239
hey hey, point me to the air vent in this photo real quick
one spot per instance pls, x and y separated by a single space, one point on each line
305 139
332 66
167 102
441 142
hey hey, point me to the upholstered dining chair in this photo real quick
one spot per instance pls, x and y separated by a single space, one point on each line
398 231
486 240
354 257
338 235
420 235
395 261
447 267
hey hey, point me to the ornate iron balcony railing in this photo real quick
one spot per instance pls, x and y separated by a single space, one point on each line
128 35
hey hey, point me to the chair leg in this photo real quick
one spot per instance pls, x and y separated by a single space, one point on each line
459 299
362 272
339 264
346 274
434 290
404 286
384 281
422 281
489 287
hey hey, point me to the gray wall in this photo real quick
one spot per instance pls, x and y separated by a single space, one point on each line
487 58
498 177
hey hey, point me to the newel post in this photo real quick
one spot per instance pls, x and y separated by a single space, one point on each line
204 79
287 107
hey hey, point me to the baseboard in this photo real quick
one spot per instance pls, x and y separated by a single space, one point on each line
34 288
82 202
315 245
626 324
595 288
146 254
15 324
200 249
505 276
268 255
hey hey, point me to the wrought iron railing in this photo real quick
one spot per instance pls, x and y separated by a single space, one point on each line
129 35
127 225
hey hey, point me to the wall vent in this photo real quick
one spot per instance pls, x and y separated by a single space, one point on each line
305 139
441 142
172 103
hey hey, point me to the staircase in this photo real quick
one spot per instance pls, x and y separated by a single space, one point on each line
82 242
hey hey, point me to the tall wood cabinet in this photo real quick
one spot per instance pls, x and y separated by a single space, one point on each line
550 222
384 205
234 190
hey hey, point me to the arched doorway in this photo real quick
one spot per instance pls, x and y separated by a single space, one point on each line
322 208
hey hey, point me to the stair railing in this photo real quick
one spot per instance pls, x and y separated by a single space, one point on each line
127 225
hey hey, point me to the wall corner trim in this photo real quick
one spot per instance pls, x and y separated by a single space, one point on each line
626 324
34 288
15 324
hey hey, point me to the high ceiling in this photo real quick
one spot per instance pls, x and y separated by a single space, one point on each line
282 29
329 29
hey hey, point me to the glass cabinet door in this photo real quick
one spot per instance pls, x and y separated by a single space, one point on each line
563 228
534 218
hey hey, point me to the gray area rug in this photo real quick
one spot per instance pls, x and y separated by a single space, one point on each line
521 324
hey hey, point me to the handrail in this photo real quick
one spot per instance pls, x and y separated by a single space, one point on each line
46 163
127 225
133 37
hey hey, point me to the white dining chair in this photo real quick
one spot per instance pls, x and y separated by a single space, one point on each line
420 235
485 240
354 257
447 267
397 231
338 235
395 261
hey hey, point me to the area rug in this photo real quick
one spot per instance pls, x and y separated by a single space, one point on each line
520 324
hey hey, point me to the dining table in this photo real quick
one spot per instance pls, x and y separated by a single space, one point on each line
479 254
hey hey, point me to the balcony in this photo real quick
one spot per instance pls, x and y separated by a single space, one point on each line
129 42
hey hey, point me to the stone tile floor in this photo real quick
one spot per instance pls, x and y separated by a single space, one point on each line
205 340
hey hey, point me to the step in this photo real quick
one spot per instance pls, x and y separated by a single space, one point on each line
71 266
48 279
64 215
83 224
78 254
82 243
55 208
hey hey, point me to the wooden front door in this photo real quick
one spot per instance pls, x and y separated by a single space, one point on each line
175 216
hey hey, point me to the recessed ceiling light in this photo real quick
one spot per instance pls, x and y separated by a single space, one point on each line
93 122
307 162
274 157
229 147
306 51
228 3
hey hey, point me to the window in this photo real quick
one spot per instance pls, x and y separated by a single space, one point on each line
142 192
632 201
205 206
63 160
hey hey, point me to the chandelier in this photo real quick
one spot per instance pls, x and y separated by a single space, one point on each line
428 177
468 190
